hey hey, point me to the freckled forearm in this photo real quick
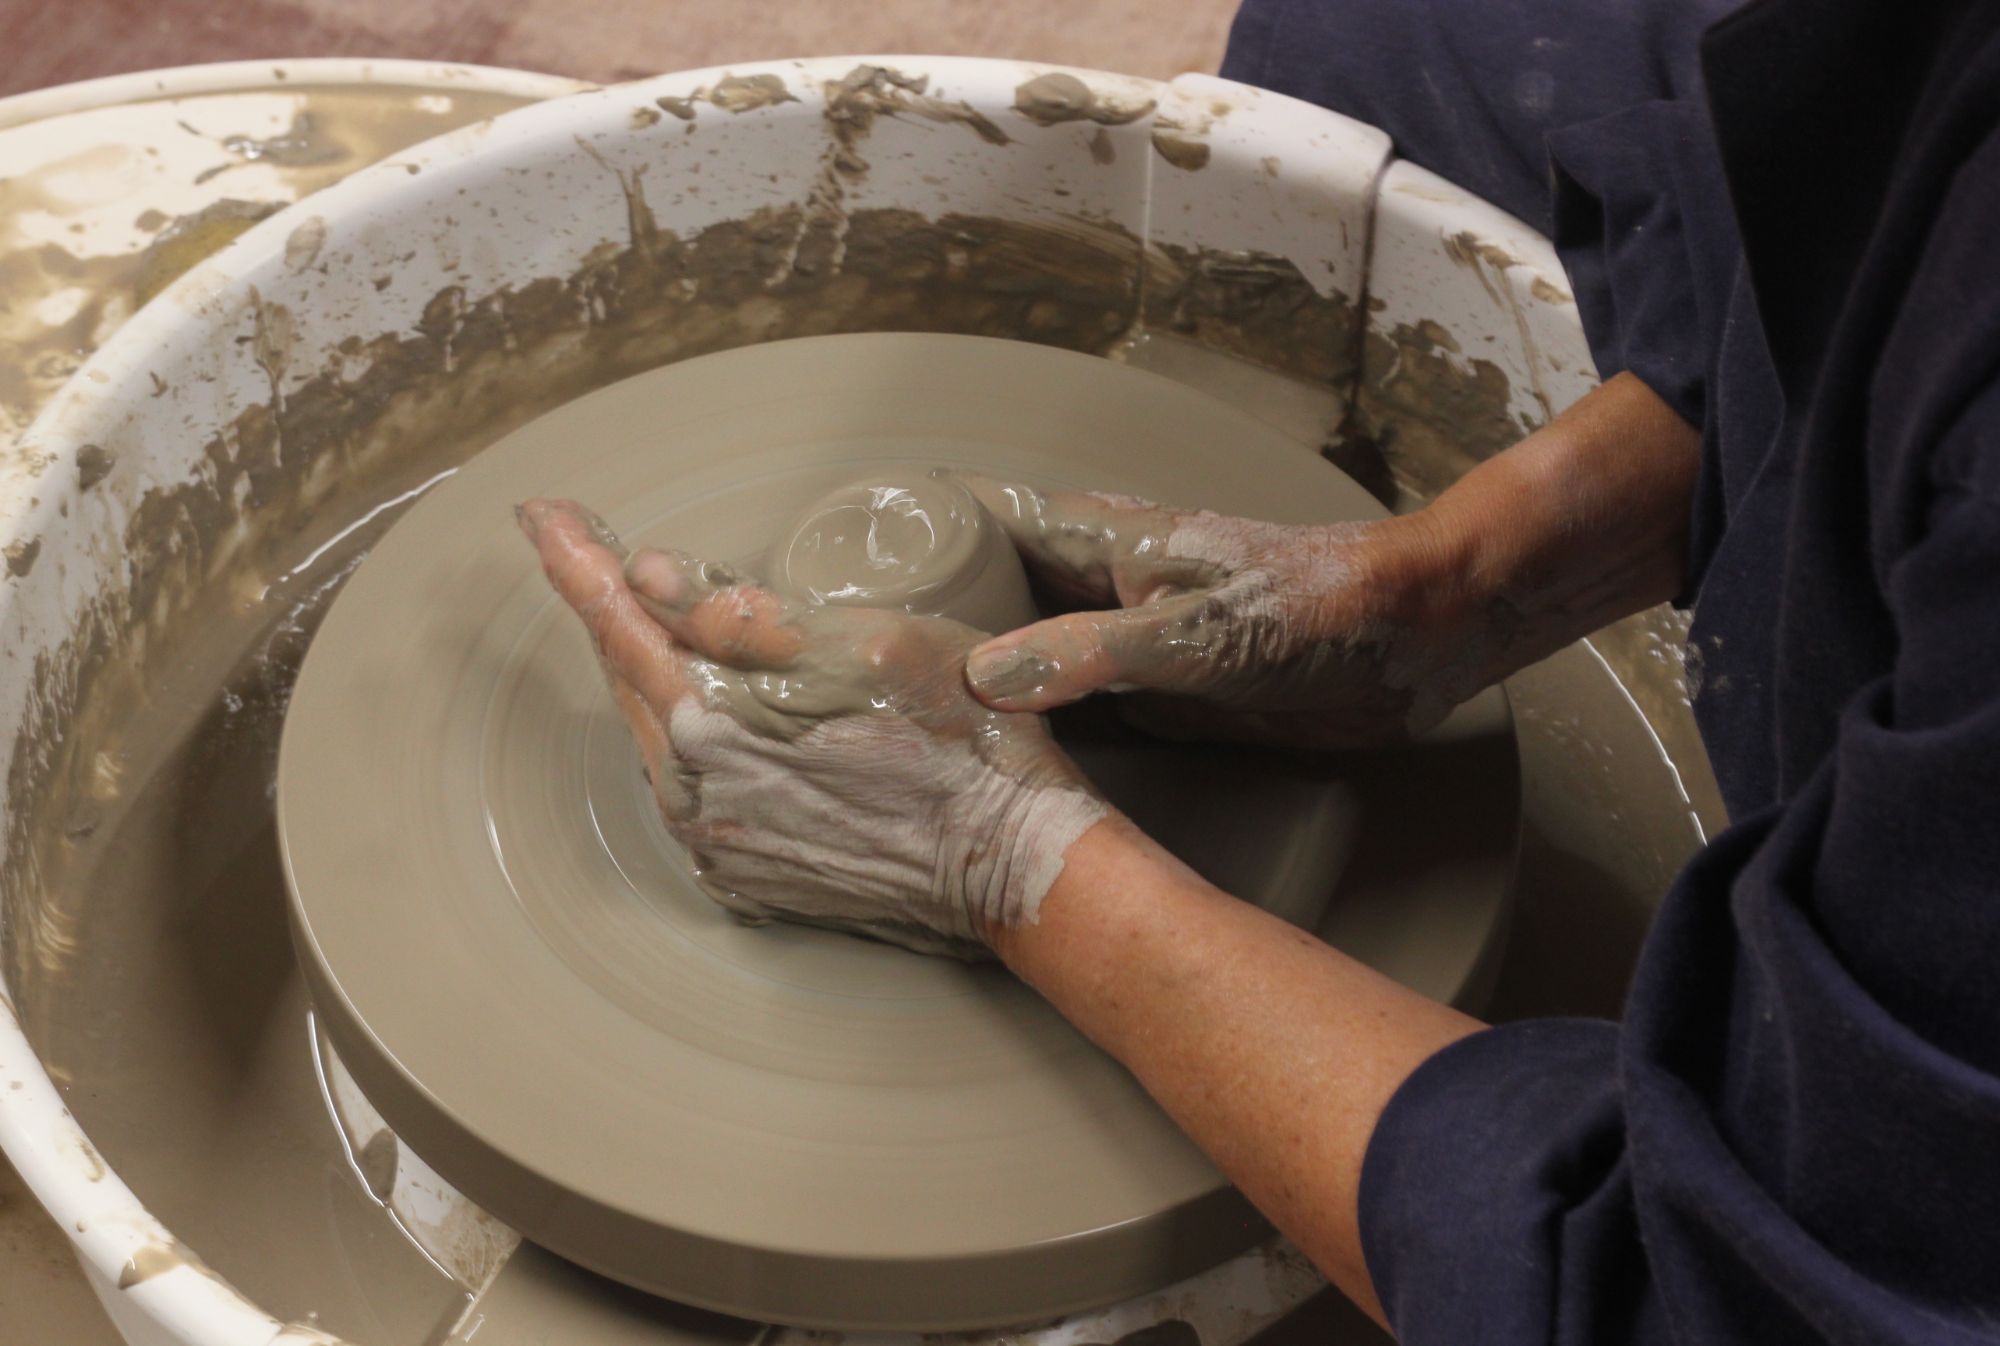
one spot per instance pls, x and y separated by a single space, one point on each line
1581 523
1274 1052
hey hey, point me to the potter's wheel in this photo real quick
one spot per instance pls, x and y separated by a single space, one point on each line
785 1123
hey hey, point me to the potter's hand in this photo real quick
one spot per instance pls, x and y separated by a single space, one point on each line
1353 633
825 765
1257 631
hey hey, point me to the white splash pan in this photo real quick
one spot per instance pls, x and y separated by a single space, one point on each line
220 77
1283 178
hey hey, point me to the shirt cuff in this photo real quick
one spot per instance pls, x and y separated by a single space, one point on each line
1494 1194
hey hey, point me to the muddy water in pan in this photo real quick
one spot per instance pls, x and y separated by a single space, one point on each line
182 1035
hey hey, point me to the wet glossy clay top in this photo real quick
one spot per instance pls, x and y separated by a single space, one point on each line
914 541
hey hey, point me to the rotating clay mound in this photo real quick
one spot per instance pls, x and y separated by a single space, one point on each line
790 1124
908 541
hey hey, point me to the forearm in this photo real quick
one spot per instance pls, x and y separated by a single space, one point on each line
1274 1052
1581 523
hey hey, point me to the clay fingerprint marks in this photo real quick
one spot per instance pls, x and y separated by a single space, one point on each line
274 335
1060 96
1095 106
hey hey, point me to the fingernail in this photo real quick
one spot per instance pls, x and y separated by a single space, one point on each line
657 576
1007 671
528 515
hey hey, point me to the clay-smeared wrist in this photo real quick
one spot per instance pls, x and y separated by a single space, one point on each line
1011 860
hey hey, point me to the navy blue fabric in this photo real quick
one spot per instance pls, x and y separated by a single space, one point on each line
1784 218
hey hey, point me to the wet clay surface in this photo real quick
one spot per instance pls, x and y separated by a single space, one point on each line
914 542
483 827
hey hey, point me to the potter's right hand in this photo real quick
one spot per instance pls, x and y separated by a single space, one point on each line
824 765
1304 635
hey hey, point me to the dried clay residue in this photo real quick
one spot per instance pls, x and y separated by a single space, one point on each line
1181 136
42 344
1429 414
731 93
1490 262
57 306
1255 306
1059 97
157 1259
1183 151
853 103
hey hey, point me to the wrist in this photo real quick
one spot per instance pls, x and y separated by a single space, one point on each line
1422 572
1014 849
1106 890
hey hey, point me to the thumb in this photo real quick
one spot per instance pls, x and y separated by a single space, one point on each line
1064 659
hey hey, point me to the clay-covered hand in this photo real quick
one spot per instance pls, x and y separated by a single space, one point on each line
826 765
1299 635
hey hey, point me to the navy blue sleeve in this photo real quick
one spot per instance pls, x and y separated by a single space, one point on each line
1496 1201
1580 117
1796 1135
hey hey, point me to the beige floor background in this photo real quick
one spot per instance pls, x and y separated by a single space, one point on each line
55 41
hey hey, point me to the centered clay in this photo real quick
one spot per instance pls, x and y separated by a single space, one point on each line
921 543
786 1123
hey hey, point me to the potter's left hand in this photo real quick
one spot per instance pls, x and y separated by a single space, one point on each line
1346 634
1298 635
826 765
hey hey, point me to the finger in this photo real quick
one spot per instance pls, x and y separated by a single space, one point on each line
714 613
1071 539
579 552
673 787
1159 645
649 731
581 558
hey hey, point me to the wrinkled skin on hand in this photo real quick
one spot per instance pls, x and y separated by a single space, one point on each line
826 765
1293 635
